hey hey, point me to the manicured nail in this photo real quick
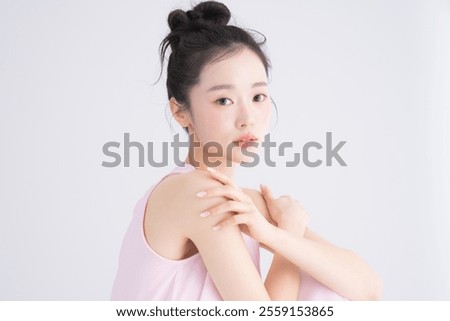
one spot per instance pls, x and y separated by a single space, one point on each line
201 194
211 169
216 228
205 213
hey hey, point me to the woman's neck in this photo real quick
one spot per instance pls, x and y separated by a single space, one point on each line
223 167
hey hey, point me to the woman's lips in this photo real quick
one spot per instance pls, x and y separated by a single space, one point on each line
247 143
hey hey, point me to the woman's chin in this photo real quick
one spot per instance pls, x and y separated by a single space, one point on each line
247 160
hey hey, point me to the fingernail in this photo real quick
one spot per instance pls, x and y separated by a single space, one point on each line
216 228
211 169
205 213
201 194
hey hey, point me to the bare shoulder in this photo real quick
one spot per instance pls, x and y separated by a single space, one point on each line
173 209
167 218
184 200
240 279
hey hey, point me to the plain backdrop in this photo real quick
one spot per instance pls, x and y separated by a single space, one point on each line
75 75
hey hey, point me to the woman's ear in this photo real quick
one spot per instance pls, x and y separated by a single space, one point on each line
181 114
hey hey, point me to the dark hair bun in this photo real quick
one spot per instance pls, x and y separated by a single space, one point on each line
205 13
177 20
213 12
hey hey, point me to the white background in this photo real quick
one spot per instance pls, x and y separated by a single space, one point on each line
77 74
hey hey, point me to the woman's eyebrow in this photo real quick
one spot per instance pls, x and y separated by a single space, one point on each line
259 84
226 86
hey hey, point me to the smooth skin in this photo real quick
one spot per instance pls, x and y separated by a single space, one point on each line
339 269
232 99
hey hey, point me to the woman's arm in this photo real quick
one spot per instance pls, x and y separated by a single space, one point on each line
339 269
223 252
284 277
283 280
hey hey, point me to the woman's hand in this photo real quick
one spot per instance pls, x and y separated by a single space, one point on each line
245 210
286 212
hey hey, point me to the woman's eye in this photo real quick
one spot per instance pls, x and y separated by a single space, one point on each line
223 101
259 97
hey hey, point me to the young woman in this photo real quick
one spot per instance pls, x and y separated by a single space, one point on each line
196 235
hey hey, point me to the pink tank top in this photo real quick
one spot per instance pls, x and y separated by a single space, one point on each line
143 274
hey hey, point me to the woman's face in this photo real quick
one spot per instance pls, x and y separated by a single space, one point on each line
232 99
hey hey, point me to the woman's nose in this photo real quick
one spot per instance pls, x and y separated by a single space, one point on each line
246 117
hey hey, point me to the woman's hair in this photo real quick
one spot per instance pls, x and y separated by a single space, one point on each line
198 37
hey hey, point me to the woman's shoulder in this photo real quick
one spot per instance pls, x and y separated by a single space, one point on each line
175 187
174 206
179 193
171 211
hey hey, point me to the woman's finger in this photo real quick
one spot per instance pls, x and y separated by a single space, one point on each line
228 206
265 191
224 190
234 220
222 177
